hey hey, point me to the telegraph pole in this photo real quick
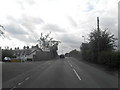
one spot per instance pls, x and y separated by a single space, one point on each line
98 24
98 30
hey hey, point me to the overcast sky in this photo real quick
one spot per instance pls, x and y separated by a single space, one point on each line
67 20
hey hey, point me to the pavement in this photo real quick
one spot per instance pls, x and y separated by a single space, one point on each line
61 73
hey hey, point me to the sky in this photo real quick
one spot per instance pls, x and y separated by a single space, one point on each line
67 20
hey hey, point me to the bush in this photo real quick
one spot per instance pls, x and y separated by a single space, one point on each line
110 59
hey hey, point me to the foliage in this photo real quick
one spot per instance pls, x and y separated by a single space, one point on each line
1 31
110 59
7 53
100 49
101 41
75 53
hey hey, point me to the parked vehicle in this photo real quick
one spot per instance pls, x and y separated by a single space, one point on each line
7 59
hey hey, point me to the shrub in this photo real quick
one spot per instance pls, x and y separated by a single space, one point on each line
110 59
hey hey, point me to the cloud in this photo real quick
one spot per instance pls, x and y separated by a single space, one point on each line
31 2
53 28
68 42
26 21
71 40
25 38
72 22
29 22
90 7
23 28
110 23
15 29
25 2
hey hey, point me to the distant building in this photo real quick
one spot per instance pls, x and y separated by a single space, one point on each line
0 54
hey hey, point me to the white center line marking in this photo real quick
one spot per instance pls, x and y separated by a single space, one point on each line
70 64
75 71
77 74
19 83
27 78
12 88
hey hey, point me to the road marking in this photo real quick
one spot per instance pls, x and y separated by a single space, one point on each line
27 78
13 88
20 83
70 64
77 74
74 71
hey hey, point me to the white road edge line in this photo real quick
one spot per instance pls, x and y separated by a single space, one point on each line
77 74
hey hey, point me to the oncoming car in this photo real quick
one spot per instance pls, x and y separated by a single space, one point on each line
62 56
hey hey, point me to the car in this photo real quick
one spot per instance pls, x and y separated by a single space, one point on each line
7 59
62 56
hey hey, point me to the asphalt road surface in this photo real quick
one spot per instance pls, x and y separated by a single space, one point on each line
63 73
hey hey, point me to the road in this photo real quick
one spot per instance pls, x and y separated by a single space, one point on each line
64 73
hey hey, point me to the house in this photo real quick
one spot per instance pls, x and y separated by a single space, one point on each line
25 54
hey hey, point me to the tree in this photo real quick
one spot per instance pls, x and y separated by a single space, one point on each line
74 53
7 53
27 47
1 31
99 41
86 52
24 47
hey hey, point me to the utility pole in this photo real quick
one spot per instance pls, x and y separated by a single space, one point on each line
98 24
98 30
